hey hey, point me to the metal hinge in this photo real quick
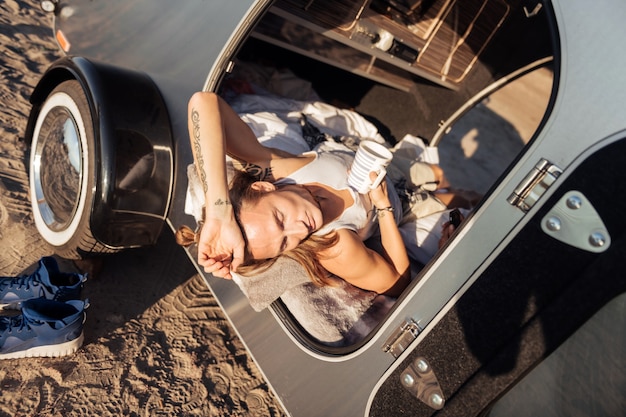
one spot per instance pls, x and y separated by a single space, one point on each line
534 185
402 337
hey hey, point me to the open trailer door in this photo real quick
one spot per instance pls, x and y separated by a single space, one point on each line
500 296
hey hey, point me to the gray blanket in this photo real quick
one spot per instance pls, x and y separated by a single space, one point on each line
338 314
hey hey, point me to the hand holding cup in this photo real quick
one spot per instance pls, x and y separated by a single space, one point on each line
370 157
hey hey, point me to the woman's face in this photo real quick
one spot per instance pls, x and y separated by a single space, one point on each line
280 220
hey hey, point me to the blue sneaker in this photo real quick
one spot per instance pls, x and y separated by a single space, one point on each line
47 281
45 328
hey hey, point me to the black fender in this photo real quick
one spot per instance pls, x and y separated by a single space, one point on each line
134 148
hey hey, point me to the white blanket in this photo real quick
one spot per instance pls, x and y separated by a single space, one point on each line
276 121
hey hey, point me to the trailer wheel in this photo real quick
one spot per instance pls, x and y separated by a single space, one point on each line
62 172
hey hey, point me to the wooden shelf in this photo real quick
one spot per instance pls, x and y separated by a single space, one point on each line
297 38
448 37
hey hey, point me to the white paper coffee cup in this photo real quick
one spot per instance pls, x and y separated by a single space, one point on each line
370 156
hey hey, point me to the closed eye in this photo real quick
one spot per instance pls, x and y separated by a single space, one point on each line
279 217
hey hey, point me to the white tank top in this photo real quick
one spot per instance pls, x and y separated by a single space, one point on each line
331 168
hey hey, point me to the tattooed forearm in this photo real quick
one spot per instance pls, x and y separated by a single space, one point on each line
195 120
220 202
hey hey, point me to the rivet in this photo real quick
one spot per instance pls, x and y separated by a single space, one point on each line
574 202
436 399
408 380
553 223
597 239
421 365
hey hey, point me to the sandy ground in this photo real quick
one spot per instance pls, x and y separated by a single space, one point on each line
156 342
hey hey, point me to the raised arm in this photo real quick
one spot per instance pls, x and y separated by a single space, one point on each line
221 244
216 130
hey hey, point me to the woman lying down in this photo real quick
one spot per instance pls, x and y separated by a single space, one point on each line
300 206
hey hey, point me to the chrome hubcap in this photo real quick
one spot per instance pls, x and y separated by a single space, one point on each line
57 169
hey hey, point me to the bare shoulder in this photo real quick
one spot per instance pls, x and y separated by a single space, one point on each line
349 248
362 267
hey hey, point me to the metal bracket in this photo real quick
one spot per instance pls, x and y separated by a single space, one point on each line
420 380
574 221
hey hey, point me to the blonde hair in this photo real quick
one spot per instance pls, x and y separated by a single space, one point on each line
186 236
306 253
